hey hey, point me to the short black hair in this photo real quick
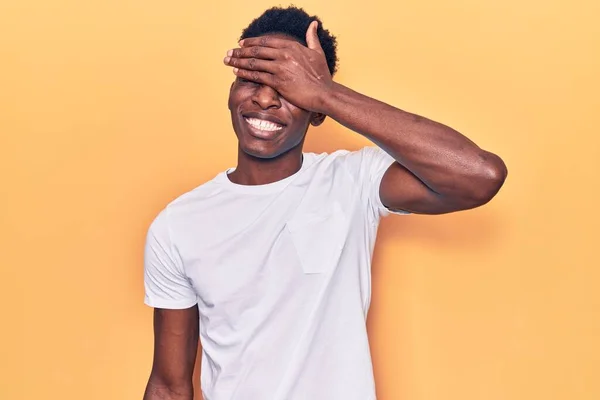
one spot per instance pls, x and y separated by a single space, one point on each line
293 21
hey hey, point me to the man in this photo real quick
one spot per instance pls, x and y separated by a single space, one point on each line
269 262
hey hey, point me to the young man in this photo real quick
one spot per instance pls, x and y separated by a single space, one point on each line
269 262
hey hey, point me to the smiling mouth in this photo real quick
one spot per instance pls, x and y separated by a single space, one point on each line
263 125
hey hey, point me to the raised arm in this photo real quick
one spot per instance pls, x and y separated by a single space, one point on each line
437 169
175 347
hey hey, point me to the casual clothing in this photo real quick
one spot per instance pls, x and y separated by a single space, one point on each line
281 274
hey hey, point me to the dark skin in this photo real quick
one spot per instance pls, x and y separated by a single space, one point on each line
175 346
263 161
437 170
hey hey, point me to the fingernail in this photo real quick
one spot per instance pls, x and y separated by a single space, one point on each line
229 53
226 60
235 70
241 42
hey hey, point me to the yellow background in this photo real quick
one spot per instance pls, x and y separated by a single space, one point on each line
110 109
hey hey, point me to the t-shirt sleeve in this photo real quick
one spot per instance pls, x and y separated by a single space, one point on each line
165 283
368 165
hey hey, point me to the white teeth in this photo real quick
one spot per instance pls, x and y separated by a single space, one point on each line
263 125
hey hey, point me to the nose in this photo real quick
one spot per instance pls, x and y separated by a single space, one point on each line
266 97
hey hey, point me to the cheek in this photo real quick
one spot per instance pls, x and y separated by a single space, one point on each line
233 101
237 96
300 116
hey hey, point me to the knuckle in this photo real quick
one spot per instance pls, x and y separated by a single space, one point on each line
263 41
255 76
252 62
254 51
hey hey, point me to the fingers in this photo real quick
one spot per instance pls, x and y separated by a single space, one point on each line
254 58
312 39
252 64
255 76
266 41
265 53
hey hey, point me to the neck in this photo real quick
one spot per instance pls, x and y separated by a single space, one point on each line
261 171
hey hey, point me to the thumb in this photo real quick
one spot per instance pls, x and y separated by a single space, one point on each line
312 39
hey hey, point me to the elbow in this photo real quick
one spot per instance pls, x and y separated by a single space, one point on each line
487 181
483 183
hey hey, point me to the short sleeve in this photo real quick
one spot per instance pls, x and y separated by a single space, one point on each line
368 165
165 283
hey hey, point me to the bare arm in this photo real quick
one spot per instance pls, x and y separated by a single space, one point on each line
175 347
438 170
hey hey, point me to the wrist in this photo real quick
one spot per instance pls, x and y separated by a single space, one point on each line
327 98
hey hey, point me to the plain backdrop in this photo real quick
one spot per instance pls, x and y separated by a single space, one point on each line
110 109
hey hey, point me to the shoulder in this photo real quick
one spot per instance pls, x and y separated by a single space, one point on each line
354 161
344 155
334 158
187 204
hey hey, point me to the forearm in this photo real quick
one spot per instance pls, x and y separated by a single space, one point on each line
160 391
442 158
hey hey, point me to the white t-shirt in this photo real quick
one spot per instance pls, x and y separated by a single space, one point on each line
281 274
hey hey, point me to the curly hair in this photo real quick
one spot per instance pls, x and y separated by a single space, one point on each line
293 21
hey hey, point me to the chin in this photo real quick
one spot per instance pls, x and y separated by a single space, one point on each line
261 152
266 149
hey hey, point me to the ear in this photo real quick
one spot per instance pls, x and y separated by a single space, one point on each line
317 119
